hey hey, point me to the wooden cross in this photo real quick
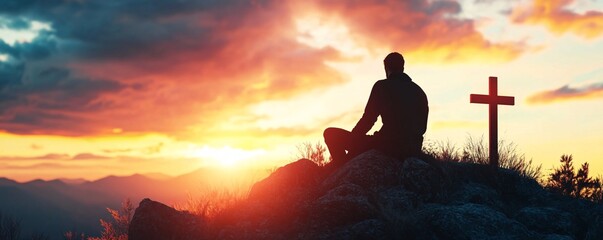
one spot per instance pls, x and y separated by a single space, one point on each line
493 100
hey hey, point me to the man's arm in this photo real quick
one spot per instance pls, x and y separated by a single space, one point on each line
370 113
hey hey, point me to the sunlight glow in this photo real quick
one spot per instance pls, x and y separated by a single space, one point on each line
3 57
226 156
320 32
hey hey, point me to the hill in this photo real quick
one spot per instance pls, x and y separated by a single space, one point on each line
376 197
54 207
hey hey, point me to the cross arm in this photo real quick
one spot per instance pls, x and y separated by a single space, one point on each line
487 99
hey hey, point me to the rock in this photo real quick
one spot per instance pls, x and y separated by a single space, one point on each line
369 170
470 221
374 196
423 178
274 203
557 237
288 186
154 220
396 201
546 220
343 205
595 222
367 229
478 194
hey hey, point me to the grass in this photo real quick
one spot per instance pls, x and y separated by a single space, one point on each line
476 151
213 201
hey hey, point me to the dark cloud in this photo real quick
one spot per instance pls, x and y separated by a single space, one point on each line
118 64
567 93
167 65
15 23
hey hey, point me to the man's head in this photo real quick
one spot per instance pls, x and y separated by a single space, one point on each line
394 63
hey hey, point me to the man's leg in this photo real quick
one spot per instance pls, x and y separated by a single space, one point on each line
338 141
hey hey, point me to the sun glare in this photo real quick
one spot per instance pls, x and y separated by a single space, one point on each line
227 157
319 32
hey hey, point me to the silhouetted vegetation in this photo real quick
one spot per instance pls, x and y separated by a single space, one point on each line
476 151
314 152
70 235
117 228
10 229
213 201
566 182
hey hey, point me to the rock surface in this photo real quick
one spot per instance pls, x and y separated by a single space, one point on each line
374 196
154 220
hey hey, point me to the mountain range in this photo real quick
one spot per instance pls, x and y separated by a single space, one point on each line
56 206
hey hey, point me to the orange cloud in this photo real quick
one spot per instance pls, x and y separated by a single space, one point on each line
183 68
425 31
567 93
558 19
164 73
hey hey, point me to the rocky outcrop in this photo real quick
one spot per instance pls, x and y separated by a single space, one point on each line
374 196
154 220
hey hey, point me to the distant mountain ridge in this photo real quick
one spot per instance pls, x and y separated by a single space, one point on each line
55 206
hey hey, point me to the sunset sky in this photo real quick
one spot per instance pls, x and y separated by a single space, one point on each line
93 88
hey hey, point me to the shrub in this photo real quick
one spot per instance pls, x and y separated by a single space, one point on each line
566 182
314 152
118 228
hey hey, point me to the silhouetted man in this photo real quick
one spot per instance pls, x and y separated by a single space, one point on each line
402 105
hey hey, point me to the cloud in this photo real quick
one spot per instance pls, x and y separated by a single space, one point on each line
56 156
160 68
40 166
173 66
567 93
427 31
556 16
50 156
88 156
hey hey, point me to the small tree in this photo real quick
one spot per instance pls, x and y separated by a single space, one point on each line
118 228
313 152
565 181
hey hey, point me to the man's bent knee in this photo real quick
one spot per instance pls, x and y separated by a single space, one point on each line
331 133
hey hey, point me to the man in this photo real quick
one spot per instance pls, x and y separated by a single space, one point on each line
402 105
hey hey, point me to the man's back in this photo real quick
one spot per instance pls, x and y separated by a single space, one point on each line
403 108
402 105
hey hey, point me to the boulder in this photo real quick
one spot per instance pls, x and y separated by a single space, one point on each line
374 196
154 220
370 170
289 186
423 178
470 221
547 220
477 193
343 205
